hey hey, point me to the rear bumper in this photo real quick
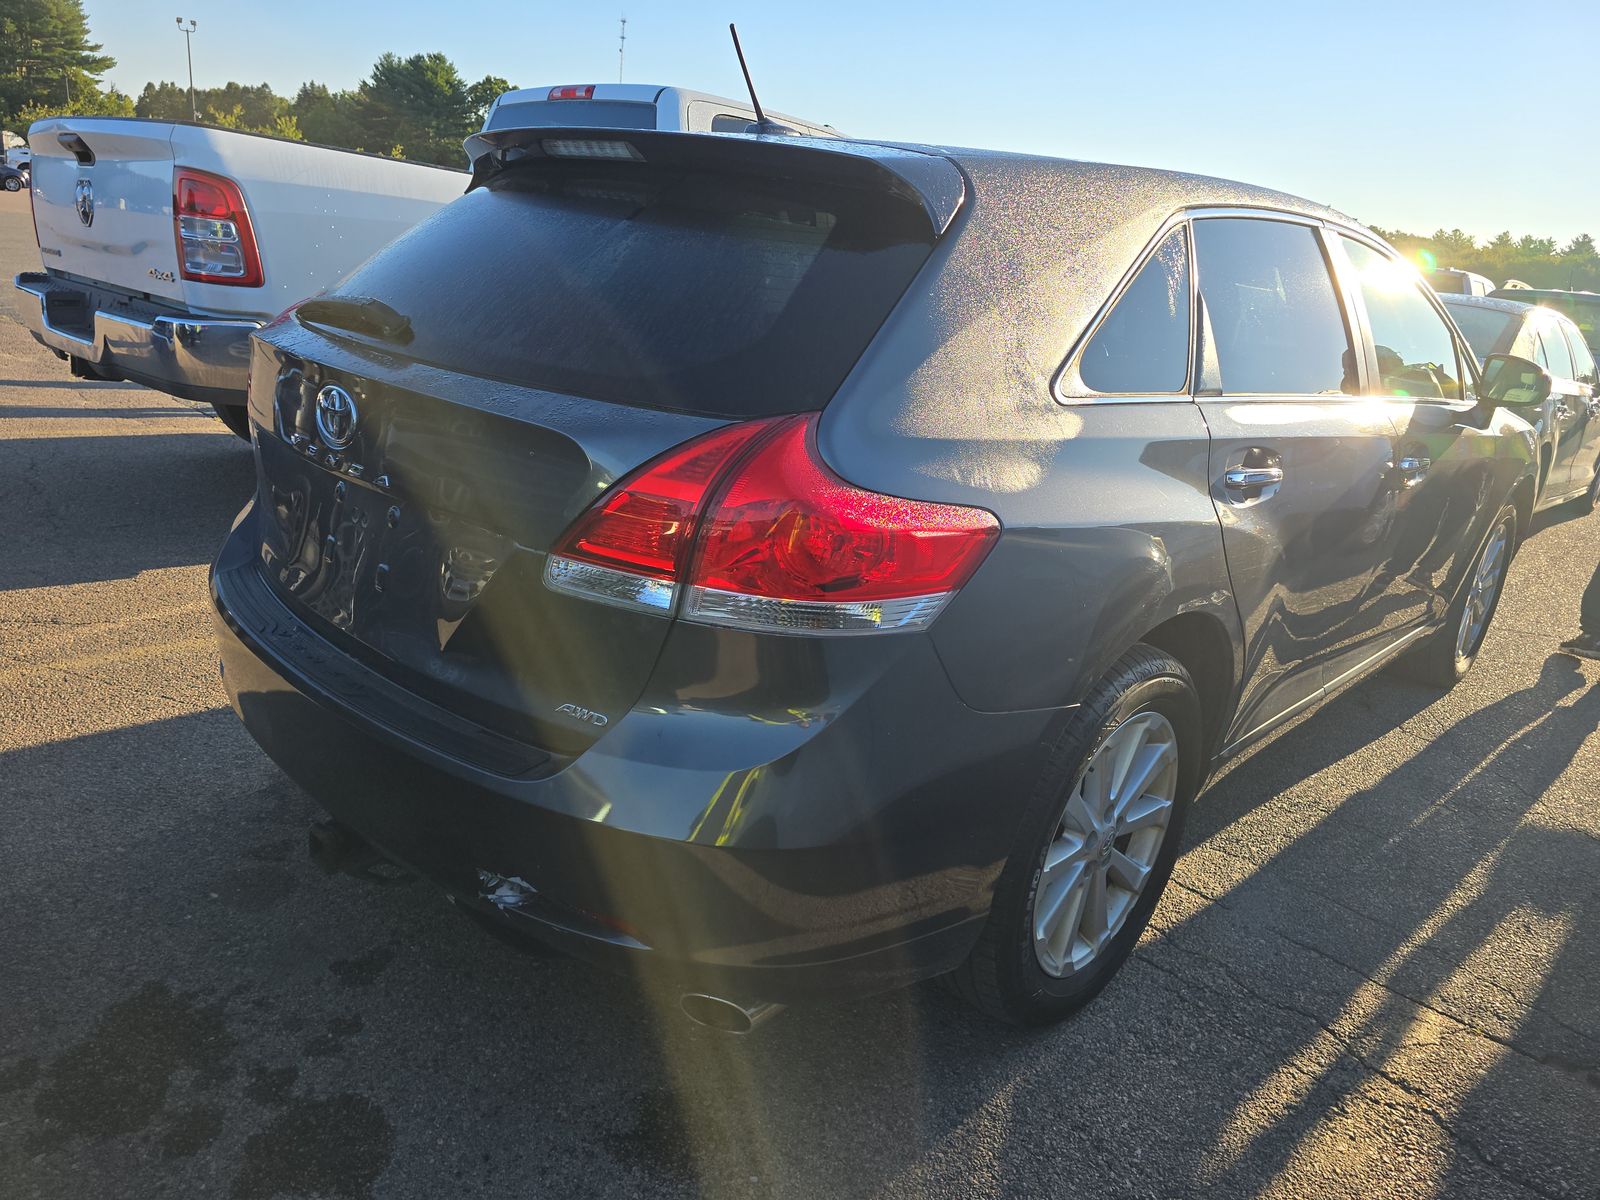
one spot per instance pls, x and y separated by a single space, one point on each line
745 883
206 359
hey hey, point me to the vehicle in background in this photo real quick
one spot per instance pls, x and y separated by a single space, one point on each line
12 179
1448 281
626 106
1582 307
851 579
166 245
14 152
1567 421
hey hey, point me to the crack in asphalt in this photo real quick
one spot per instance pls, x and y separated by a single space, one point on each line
1344 1049
94 679
1570 1067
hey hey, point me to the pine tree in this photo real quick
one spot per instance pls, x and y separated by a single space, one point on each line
47 59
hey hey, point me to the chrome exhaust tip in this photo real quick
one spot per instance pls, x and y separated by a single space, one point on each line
728 1016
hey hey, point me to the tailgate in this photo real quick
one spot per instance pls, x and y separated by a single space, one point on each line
109 220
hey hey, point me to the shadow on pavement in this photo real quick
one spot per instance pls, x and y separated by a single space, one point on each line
1396 921
309 1035
75 384
80 509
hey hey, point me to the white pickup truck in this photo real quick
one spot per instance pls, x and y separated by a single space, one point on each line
167 244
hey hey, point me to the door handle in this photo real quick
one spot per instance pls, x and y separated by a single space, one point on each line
1414 467
1562 411
1241 479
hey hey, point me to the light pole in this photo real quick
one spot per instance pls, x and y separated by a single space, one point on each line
188 47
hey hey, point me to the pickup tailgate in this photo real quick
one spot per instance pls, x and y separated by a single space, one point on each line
109 220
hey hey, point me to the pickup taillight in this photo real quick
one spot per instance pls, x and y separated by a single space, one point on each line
216 243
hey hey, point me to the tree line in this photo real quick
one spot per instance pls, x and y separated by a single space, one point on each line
421 108
417 107
1537 261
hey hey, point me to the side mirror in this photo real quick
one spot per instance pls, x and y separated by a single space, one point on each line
1514 382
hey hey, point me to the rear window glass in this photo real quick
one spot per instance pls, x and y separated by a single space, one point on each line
1556 355
1488 330
700 292
575 114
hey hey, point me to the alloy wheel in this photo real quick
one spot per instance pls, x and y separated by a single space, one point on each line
1482 592
1105 846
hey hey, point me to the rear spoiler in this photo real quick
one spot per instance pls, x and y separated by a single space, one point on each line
926 179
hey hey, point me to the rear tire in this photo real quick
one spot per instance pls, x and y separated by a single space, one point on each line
1443 658
13 183
236 417
1005 976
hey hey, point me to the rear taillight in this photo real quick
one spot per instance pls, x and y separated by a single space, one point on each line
216 243
752 529
572 91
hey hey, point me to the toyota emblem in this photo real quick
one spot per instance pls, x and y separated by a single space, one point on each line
336 416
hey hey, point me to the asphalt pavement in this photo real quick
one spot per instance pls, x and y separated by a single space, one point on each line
1376 973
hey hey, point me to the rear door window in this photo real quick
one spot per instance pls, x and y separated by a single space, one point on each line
1415 348
659 286
1556 355
1486 329
1142 347
1271 309
1583 368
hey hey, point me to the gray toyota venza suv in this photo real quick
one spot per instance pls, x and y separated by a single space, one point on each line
787 567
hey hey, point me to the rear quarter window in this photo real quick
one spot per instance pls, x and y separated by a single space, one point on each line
1142 346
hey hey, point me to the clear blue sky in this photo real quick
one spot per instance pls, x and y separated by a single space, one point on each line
1390 111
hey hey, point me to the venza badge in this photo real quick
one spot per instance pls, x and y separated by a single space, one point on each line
83 197
336 416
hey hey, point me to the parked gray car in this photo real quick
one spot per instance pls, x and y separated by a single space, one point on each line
1566 423
793 566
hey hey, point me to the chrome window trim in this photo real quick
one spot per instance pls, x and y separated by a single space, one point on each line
1068 389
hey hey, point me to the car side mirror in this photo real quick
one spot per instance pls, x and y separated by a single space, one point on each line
1514 382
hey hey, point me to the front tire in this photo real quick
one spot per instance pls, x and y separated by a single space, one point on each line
1095 848
1443 658
13 183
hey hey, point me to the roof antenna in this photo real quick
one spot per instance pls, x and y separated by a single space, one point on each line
761 125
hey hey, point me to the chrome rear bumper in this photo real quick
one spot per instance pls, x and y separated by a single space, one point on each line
197 358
